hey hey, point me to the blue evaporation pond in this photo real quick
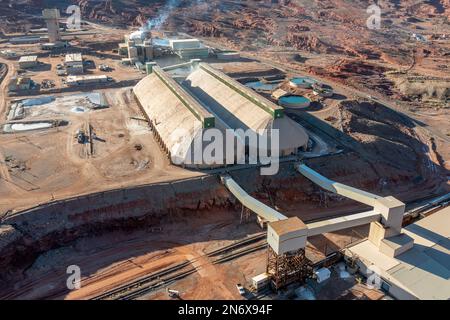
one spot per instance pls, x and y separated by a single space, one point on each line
300 81
258 85
294 100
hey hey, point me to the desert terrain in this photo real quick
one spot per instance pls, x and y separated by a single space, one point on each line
121 211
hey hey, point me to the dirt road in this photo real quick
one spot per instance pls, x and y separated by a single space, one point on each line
4 87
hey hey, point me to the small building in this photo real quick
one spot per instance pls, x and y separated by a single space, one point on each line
143 51
26 62
133 52
126 61
180 44
56 45
61 72
123 49
322 274
140 66
74 63
39 30
25 40
422 271
189 48
8 54
83 80
228 55
20 83
261 281
195 53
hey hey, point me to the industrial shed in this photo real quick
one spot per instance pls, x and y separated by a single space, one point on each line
179 113
422 272
26 62
174 116
240 108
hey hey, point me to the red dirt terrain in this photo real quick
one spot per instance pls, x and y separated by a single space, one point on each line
334 29
384 151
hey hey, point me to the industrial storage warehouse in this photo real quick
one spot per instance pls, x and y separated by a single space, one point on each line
240 108
175 117
209 99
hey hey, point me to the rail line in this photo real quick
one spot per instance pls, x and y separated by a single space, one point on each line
246 241
171 279
164 282
155 281
240 253
154 277
162 278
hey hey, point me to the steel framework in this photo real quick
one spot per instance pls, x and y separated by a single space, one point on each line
288 268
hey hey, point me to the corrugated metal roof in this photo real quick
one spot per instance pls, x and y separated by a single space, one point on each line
238 106
28 59
424 270
74 57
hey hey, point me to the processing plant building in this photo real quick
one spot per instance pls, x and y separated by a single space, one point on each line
74 63
240 108
189 48
26 62
209 99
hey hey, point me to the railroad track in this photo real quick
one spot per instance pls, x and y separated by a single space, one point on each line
235 250
148 281
426 209
165 282
233 255
237 244
167 276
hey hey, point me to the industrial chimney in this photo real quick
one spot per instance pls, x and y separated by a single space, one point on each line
51 17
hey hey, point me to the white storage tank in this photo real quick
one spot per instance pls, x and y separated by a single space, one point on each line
294 101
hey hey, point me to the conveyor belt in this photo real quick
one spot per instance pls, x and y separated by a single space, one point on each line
336 224
338 188
251 203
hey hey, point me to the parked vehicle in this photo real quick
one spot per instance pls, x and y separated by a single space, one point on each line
240 289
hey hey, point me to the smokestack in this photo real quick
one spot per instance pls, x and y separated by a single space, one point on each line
163 14
51 17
